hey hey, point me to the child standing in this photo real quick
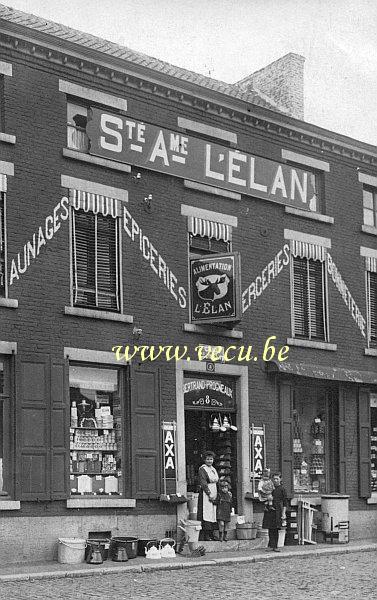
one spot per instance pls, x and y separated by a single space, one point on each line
224 506
265 488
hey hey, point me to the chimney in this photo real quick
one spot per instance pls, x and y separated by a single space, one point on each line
282 81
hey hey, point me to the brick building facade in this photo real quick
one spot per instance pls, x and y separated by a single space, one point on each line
115 170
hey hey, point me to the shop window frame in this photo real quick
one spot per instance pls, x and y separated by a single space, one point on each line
332 441
126 456
325 304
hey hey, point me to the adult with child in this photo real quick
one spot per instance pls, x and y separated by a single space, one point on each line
208 478
274 517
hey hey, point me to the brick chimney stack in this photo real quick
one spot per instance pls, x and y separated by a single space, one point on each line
282 81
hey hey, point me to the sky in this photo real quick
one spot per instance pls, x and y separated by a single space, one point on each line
229 39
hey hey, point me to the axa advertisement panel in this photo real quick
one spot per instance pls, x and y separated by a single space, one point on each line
215 288
123 139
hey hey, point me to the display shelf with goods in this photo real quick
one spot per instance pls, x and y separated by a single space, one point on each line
95 433
309 447
203 433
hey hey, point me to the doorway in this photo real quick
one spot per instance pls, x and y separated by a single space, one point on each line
206 430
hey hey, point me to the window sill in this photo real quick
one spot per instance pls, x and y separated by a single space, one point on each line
369 229
8 303
211 330
7 138
10 505
96 160
75 311
370 351
311 344
309 215
314 499
372 499
101 503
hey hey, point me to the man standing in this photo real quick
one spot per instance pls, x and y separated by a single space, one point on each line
275 516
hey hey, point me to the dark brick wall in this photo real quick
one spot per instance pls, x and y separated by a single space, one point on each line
35 112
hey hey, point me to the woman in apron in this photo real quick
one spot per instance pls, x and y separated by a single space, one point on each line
208 478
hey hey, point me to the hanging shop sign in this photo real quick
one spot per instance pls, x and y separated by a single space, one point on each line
209 393
170 467
215 288
257 454
120 138
169 473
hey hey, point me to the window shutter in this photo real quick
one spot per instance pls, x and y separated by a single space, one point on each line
59 430
286 408
316 301
372 301
32 428
107 275
95 261
342 439
300 298
145 431
84 259
364 443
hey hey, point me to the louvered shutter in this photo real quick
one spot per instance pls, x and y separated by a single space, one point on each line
145 431
286 424
316 300
300 298
107 275
373 309
95 261
364 443
84 252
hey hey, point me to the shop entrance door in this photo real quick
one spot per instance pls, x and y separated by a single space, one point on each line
216 431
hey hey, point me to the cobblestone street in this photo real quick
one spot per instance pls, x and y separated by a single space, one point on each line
346 576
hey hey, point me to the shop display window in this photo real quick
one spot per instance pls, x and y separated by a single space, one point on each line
373 441
310 442
96 425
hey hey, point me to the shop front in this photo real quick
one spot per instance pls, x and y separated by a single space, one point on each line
213 414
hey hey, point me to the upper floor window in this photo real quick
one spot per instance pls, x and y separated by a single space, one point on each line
315 169
95 251
77 119
371 281
370 207
208 237
309 292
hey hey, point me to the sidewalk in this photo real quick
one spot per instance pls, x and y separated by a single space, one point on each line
55 570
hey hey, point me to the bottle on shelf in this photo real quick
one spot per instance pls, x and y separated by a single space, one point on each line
74 416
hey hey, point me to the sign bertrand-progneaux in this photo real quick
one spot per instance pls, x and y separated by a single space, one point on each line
120 138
